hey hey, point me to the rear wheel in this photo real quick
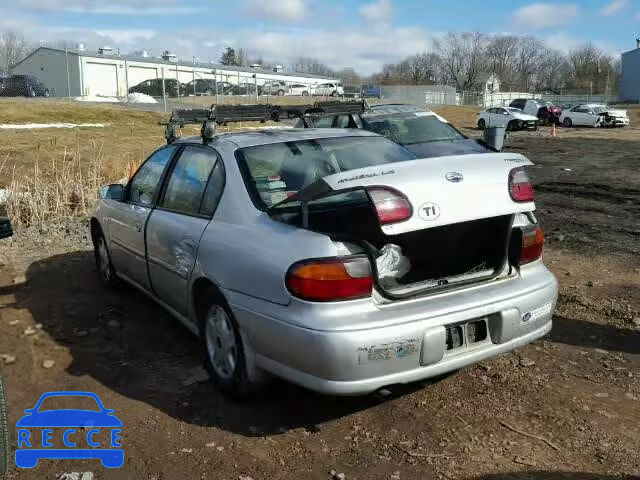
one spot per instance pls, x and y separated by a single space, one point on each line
334 93
31 92
223 351
46 93
567 122
280 93
482 124
305 93
512 126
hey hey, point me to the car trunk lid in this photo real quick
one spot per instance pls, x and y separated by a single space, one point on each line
441 190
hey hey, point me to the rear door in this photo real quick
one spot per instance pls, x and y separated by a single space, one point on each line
184 210
128 219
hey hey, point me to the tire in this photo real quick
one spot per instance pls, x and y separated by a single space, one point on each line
31 92
512 126
482 124
5 444
104 266
222 347
46 93
567 122
305 93
535 127
334 93
280 93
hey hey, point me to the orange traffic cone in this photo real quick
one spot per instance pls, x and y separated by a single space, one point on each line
553 130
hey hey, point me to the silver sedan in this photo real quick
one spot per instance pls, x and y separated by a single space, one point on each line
332 258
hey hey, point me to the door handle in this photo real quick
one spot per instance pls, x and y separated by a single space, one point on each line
138 226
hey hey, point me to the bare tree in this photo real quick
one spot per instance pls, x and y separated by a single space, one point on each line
242 58
463 57
501 55
13 48
591 69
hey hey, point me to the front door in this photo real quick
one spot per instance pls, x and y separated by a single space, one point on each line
128 221
175 227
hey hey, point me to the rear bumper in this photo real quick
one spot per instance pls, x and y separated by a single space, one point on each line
359 361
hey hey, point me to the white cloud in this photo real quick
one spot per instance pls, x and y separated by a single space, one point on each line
126 36
614 7
378 12
278 10
544 15
114 7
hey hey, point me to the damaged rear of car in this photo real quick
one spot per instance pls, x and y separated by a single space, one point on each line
434 263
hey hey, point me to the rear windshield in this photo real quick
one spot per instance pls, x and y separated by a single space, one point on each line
411 128
274 172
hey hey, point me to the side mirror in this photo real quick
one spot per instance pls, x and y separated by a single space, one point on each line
115 191
5 228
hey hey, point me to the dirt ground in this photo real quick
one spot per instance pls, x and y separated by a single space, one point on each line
564 407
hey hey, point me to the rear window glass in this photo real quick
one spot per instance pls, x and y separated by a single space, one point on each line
274 172
411 128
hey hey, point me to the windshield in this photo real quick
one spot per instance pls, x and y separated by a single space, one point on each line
411 128
274 172
600 109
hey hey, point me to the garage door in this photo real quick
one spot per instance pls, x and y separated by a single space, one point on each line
101 79
136 75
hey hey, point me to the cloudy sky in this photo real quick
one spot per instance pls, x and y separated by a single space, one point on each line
361 34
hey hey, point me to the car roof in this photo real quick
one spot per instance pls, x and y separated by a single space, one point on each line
279 135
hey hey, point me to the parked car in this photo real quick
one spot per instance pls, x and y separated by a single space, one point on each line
594 115
420 131
201 86
298 89
329 90
153 87
243 89
332 258
3 84
511 118
371 91
24 86
351 91
545 111
275 87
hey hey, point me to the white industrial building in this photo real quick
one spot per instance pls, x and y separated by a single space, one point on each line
80 72
629 83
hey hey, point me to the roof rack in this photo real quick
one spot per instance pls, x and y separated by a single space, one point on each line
224 114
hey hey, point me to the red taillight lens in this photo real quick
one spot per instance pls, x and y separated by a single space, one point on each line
331 279
532 243
391 205
520 187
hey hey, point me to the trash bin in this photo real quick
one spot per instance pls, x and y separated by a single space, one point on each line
494 136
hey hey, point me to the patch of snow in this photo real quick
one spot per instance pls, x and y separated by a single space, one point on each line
141 98
4 195
97 98
132 98
33 126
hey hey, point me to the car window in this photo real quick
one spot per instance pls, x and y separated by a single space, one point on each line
411 128
189 180
273 172
144 185
342 121
323 122
214 190
68 402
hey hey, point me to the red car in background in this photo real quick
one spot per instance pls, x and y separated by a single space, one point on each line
546 111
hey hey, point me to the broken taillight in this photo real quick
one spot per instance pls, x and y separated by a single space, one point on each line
520 187
327 280
391 205
532 243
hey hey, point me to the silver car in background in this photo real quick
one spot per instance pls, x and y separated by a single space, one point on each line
332 258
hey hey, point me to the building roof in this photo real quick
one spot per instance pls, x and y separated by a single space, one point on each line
484 77
156 60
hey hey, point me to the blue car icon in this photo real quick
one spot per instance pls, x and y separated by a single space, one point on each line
91 421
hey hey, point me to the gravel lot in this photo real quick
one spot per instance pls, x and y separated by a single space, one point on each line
564 407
